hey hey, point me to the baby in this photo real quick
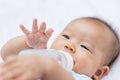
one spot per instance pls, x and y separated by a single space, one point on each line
91 42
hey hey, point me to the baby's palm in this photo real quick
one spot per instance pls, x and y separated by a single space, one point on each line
37 38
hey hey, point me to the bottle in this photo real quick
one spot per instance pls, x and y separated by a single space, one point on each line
63 58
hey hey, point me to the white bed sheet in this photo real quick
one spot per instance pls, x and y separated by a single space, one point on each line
57 13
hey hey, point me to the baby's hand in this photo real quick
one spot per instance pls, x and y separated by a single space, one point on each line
37 38
27 67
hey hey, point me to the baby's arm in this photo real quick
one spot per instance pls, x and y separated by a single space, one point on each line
14 46
37 38
33 67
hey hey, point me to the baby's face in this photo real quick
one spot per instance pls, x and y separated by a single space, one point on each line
86 41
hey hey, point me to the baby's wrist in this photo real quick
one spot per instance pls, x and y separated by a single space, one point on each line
28 44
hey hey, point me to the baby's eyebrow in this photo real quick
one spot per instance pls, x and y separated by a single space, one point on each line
90 42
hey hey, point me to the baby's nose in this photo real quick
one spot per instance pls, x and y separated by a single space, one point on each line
70 48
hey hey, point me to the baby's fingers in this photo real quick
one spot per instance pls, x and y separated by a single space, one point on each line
34 26
10 60
6 66
27 76
24 30
11 75
42 27
49 32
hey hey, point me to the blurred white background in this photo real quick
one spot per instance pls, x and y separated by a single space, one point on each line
56 13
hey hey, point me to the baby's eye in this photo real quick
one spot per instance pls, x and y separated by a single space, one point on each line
66 36
83 46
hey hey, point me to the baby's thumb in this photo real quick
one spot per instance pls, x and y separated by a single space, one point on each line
24 30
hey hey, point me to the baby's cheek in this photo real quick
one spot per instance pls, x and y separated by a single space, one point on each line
84 66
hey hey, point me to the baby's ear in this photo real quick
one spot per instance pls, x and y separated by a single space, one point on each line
102 71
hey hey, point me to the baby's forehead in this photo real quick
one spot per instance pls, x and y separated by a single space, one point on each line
89 21
80 22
